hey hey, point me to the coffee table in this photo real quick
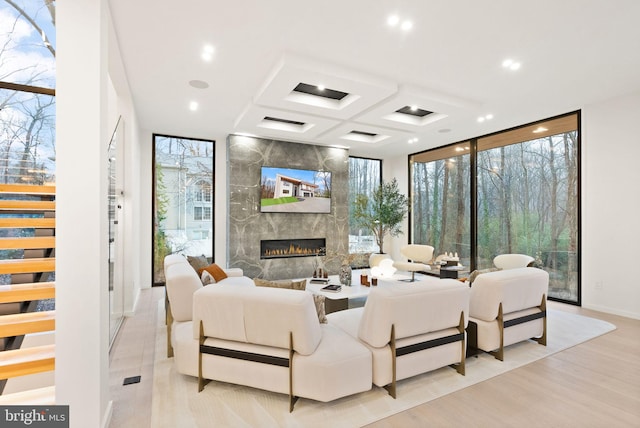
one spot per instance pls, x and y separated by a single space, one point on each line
338 301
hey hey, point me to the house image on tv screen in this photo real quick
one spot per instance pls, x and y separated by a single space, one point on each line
288 186
295 190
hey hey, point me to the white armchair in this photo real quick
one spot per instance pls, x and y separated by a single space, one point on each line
512 261
418 255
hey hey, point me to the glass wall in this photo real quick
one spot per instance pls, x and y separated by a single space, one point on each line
183 199
524 198
365 175
439 214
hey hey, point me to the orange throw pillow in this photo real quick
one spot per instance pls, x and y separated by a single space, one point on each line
216 272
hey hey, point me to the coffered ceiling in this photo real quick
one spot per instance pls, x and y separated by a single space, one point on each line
464 68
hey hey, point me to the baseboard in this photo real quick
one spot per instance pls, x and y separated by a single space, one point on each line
106 419
612 311
136 299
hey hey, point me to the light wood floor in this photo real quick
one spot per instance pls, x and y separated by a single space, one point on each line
595 384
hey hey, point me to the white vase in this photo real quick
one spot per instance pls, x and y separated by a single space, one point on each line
376 258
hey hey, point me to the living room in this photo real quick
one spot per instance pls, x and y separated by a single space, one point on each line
110 81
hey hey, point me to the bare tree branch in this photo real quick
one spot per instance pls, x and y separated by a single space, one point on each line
33 23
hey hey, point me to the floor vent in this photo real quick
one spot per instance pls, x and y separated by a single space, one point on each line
131 380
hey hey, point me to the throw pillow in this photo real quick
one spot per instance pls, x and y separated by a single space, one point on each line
299 285
198 262
206 278
319 301
274 284
216 272
475 273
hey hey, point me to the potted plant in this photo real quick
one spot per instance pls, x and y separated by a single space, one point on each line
382 213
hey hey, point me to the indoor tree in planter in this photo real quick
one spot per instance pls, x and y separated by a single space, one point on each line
383 212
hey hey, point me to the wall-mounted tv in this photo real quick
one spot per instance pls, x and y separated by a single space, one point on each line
287 190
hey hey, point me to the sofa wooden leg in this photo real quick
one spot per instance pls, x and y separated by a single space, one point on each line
499 353
169 322
391 388
460 368
201 380
542 340
292 398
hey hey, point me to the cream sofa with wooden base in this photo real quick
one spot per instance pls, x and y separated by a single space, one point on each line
181 282
410 329
509 306
270 338
267 338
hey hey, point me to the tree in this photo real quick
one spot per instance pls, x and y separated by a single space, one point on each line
383 212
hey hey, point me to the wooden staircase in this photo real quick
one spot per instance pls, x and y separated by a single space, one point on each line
28 257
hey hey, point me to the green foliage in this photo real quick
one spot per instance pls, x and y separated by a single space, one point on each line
162 247
266 202
383 212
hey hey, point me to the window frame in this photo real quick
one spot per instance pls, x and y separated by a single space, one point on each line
515 135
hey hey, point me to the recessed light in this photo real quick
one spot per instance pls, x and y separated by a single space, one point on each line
321 87
489 117
198 84
539 129
207 53
485 117
407 25
511 64
412 140
393 20
414 108
193 105
481 119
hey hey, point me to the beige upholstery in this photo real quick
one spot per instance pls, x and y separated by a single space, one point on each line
512 261
506 297
181 282
418 255
431 309
326 363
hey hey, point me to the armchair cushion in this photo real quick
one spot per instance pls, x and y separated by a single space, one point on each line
512 261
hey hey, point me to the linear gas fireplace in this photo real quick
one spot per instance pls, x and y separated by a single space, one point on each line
282 248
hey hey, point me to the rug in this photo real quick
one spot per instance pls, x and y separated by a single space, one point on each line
177 403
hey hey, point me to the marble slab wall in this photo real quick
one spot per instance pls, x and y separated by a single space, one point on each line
247 225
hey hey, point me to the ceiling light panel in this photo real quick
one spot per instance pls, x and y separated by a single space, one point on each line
363 134
283 124
362 90
414 109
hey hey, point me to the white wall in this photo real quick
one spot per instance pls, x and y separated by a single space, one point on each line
610 227
82 300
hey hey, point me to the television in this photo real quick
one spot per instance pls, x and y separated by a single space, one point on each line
288 190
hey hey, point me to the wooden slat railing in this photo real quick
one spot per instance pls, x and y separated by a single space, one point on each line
25 222
26 361
26 189
33 397
28 265
27 323
27 243
27 292
20 205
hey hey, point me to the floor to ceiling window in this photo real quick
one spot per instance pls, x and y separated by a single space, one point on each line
526 194
183 199
365 175
439 214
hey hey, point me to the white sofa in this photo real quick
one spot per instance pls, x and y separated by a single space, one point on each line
508 306
267 338
181 282
270 338
410 329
